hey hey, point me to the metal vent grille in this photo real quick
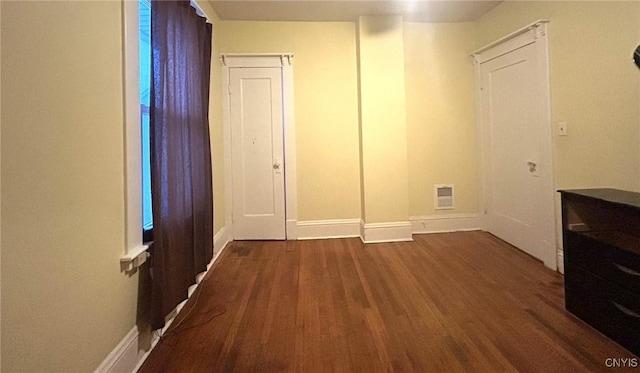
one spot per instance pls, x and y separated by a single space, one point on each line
443 196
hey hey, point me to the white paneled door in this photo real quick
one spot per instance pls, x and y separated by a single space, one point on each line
256 114
515 196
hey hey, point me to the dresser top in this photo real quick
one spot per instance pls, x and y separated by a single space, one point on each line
617 196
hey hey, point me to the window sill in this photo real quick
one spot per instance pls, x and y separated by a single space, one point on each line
134 258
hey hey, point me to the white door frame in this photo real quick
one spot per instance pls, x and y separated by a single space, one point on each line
536 34
283 61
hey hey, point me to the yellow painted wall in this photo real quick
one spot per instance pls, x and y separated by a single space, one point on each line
383 119
595 87
215 121
65 303
62 143
217 143
326 114
441 130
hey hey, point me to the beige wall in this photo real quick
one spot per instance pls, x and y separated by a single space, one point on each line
441 128
215 121
326 114
65 303
439 110
595 87
62 143
216 132
601 108
383 119
0 195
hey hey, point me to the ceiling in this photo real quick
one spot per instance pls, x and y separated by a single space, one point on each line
431 11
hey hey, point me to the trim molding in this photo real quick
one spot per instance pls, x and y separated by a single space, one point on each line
220 241
444 223
249 59
226 139
322 229
126 357
399 231
132 128
519 38
292 229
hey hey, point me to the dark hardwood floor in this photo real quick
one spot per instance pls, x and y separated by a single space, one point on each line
445 302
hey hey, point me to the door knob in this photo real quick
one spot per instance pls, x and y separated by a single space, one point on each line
276 165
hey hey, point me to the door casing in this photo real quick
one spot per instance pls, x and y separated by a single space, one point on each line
536 34
283 61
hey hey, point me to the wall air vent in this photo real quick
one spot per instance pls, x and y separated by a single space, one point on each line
443 194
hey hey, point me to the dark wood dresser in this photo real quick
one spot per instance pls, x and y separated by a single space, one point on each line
601 236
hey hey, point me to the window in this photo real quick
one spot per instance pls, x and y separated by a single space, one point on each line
137 59
145 89
135 248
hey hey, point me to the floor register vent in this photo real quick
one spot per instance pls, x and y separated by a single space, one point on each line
443 196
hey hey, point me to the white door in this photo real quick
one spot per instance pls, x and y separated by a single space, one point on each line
257 153
514 194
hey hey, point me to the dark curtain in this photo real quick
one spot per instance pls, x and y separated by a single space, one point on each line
180 153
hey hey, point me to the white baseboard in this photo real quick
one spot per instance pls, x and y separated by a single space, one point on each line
398 231
444 223
126 357
322 229
561 261
220 241
550 255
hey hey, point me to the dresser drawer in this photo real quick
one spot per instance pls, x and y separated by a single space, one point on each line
611 309
610 262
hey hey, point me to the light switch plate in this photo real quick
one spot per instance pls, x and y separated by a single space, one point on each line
562 129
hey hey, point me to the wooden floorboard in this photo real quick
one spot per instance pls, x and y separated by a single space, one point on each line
446 302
